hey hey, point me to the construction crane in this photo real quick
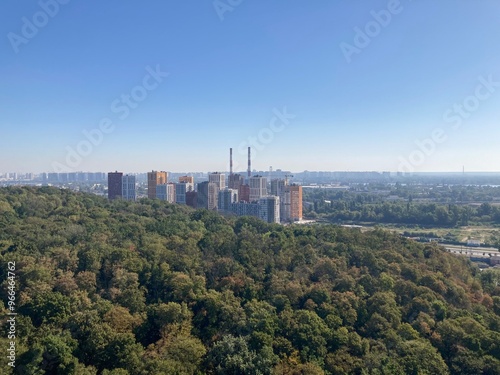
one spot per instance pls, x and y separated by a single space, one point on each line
286 178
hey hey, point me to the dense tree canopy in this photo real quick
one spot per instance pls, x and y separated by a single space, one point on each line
154 288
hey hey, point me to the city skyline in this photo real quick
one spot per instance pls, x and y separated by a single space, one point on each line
352 86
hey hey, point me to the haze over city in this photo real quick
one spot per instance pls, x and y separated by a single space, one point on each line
319 86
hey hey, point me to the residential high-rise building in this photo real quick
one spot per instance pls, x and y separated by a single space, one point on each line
291 207
114 185
166 192
192 199
82 176
161 192
226 198
235 181
269 209
219 179
180 192
244 193
128 188
53 177
202 198
295 202
245 209
155 178
277 187
258 188
187 180
207 195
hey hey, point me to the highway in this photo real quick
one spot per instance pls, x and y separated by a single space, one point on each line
479 252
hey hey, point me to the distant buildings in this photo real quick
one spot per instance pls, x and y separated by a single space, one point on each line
219 179
185 185
266 208
121 187
128 188
207 195
180 192
166 192
282 203
155 178
269 209
187 180
258 188
278 187
293 196
245 209
226 198
192 199
114 184
235 181
244 193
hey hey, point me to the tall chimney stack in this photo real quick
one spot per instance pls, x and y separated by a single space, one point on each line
230 161
249 164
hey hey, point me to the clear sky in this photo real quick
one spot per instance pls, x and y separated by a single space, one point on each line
358 85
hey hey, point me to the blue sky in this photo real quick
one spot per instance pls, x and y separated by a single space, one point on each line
231 71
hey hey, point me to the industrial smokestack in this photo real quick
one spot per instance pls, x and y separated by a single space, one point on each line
230 161
249 164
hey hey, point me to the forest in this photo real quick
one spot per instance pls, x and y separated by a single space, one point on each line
148 287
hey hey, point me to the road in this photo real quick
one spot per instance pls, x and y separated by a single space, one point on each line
480 252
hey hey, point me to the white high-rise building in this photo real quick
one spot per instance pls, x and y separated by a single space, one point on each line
258 188
128 188
218 179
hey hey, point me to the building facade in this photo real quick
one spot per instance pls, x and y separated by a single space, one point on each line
207 195
269 209
128 188
278 187
291 207
226 198
245 209
235 181
166 192
192 199
218 179
258 188
156 178
114 185
187 180
180 192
